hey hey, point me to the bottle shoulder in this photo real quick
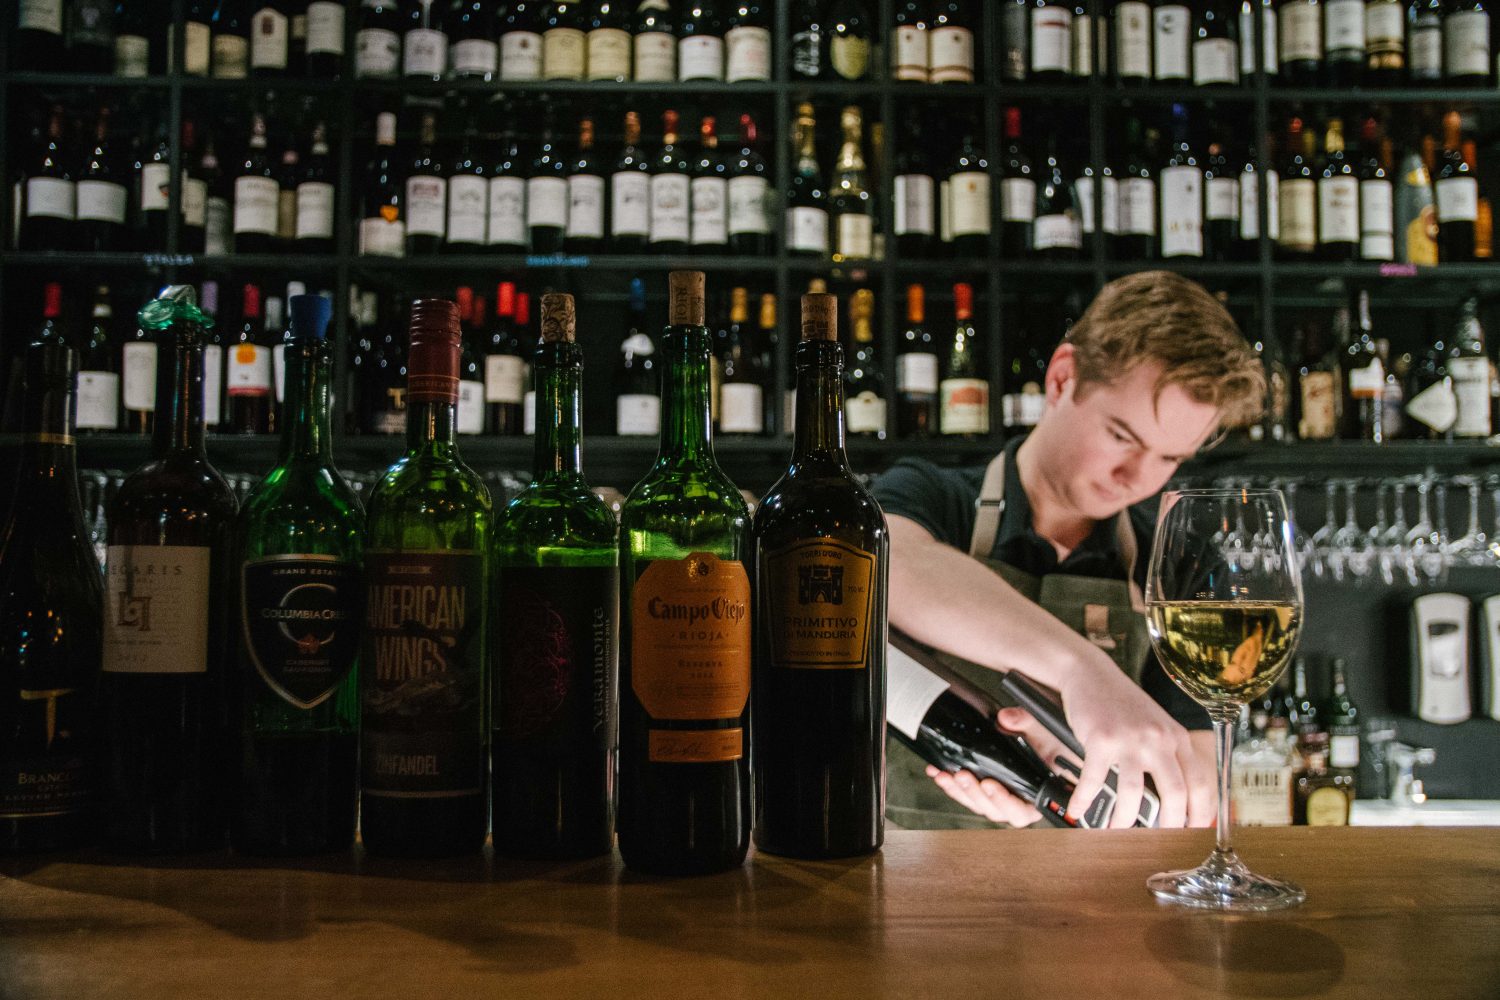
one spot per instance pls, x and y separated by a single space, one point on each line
187 486
424 504
810 503
555 516
671 513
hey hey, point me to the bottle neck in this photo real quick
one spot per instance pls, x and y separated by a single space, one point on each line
432 429
309 377
819 433
686 426
179 398
558 370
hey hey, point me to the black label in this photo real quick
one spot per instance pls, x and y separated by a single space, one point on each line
46 772
557 656
301 623
422 674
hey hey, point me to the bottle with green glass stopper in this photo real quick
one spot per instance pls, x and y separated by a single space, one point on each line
685 624
555 637
423 665
300 608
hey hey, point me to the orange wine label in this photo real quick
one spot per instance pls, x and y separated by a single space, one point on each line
820 596
690 638
695 746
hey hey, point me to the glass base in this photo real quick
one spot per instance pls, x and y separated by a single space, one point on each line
1224 883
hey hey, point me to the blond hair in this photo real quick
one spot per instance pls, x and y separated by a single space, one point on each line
1163 317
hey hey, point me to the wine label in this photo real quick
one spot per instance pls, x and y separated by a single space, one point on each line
1083 45
690 653
563 52
748 55
741 408
1262 796
470 407
1376 220
1057 232
314 210
1182 212
547 202
950 56
1329 805
196 47
1385 28
217 225
850 57
41 15
655 57
856 236
608 54
1457 199
300 618
1051 40
1471 389
1138 206
1435 406
1343 751
507 211
820 596
475 57
468 209
807 229
51 198
47 772
213 384
637 415
710 216
1173 41
504 378
325 27
915 200
1017 201
1425 49
1344 25
377 53
1319 420
1338 210
382 237
528 412
910 690
749 204
1367 382
1270 45
1133 39
586 206
864 413
1299 214
426 205
424 53
269 31
138 376
909 55
132 56
917 373
1249 205
256 205
156 179
286 213
231 57
156 600
520 55
98 401
1466 43
630 203
1214 61
964 406
195 201
969 201
1301 32
555 680
670 203
1109 196
249 370
422 674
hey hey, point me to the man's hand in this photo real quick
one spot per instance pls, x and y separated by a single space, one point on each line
989 798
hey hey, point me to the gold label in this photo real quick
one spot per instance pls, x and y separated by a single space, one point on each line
690 638
695 746
821 595
1327 806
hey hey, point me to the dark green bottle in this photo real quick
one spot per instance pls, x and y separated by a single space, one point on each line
685 623
422 667
556 614
299 609
821 557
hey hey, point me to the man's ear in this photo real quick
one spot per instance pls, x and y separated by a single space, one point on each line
1062 374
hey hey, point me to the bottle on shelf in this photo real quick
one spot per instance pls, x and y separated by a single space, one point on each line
708 227
916 371
607 45
257 195
700 41
102 199
915 198
865 396
1017 193
809 33
807 199
474 40
750 196
98 397
850 39
564 40
192 232
1131 31
1182 184
1221 205
526 335
1362 413
323 50
1050 42
1298 202
38 43
964 393
153 179
654 42
1377 224
950 37
424 40
1300 34
49 196
213 359
1138 212
850 201
467 226
547 193
1342 718
1275 423
377 40
909 41
1431 406
1466 44
1057 232
313 231
504 366
1171 42
506 225
586 196
426 191
1216 39
248 383
1385 43
742 385
967 202
1264 775
1469 367
132 46
1344 42
630 193
671 192
1457 196
1338 199
1324 796
383 392
521 44
382 227
471 315
197 41
1318 381
1424 42
270 38
637 377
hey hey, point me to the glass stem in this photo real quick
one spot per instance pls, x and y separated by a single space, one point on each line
1224 745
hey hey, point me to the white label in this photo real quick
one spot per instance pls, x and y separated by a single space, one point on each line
1458 199
1057 232
268 39
1181 212
1262 796
1138 206
670 195
155 178
710 225
1017 200
749 54
195 201
630 203
1224 198
1344 25
1083 189
1051 39
256 201
951 55
249 370
562 54
865 413
1338 210
1426 46
1299 213
749 204
476 57
1214 62
910 53
1247 38
379 238
807 229
213 384
325 28
1435 406
586 206
546 202
1343 751
1249 205
504 378
1471 388
51 197
314 210
1466 43
700 57
231 57
655 57
138 376
741 408
101 201
609 54
426 205
470 407
917 373
507 211
915 196
98 401
1133 39
1376 225
425 53
197 45
468 209
132 56
856 235
1385 27
377 52
528 412
1369 381
42 15
1173 41
637 414
520 55
964 406
278 371
910 690
1083 45
1301 32
156 609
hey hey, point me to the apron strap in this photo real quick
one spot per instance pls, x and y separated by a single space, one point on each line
988 509
1125 538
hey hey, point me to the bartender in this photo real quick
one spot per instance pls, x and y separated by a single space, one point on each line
1037 561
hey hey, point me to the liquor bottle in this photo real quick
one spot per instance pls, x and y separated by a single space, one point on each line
1298 207
50 194
313 231
865 406
607 45
323 57
1377 240
849 39
132 55
249 381
909 44
385 377
1216 44
1470 369
547 194
700 41
1466 43
51 610
821 550
377 41
298 555
1362 413
915 199
655 42
749 196
1181 194
506 226
382 230
807 212
637 389
585 195
424 41
671 192
1017 193
521 44
1318 383
1344 42
1324 796
1057 233
1137 239
1338 199
504 367
964 393
849 197
1430 402
742 388
471 316
1301 42
916 371
1342 719
1171 41
270 35
630 192
90 35
1132 35
809 58
473 36
467 225
197 37
1457 188
1385 42
426 208
1050 46
213 360
38 40
256 195
968 195
709 193
1221 206
1263 775
951 41
1275 423
423 658
164 708
101 195
564 42
98 402
557 609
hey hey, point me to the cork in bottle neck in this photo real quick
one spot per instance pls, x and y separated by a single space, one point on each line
559 322
685 294
820 316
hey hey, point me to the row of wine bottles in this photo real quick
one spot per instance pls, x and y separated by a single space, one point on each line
439 660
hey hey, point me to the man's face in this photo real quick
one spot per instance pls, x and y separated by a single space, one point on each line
1115 444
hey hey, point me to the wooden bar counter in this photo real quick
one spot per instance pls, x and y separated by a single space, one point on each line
1391 913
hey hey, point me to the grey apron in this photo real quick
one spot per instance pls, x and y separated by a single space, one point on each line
1109 613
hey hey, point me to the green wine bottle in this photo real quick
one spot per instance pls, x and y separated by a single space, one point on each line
300 607
821 556
556 614
423 665
685 615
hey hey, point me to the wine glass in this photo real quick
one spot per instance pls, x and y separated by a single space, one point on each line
1224 631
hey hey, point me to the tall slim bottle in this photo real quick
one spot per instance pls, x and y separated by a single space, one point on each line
685 607
423 661
821 557
556 628
300 606
166 615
